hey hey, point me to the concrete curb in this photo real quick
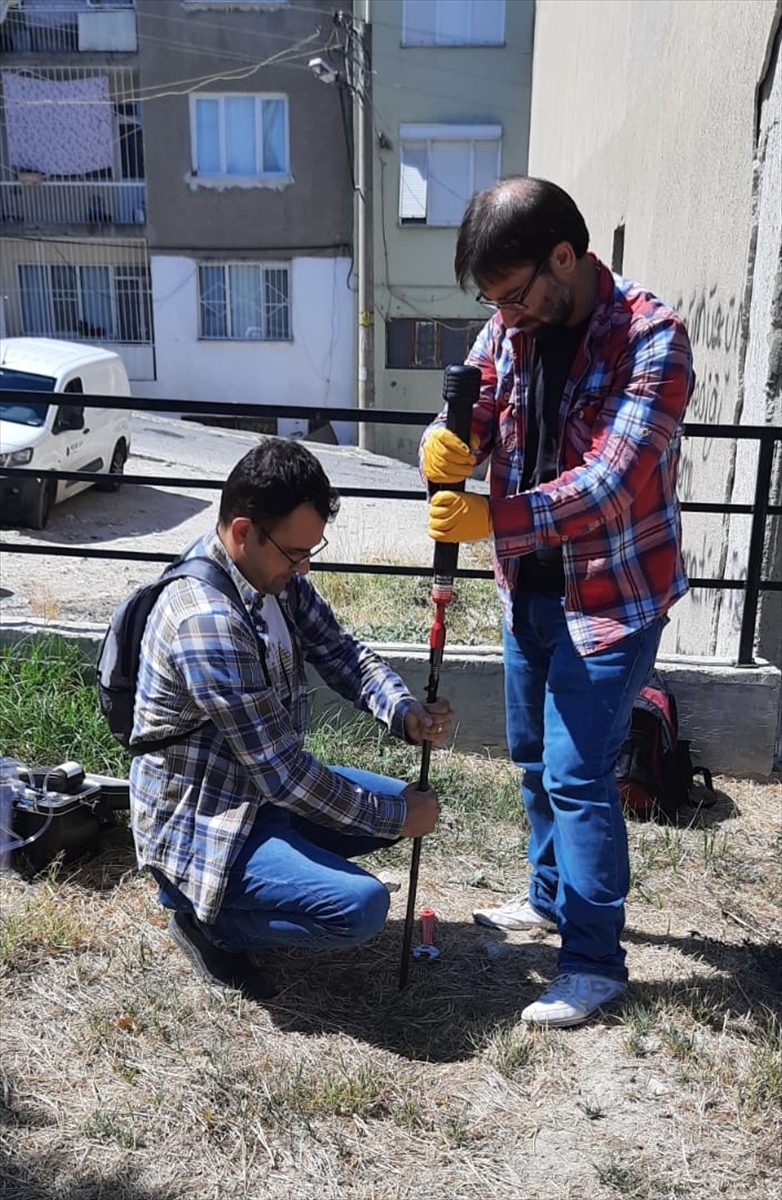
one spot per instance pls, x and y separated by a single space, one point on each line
729 713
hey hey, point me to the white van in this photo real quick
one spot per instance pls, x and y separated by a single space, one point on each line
61 435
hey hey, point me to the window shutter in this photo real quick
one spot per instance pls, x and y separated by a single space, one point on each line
486 166
412 182
454 23
489 23
419 21
450 182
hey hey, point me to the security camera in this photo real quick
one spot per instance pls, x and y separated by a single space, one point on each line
322 71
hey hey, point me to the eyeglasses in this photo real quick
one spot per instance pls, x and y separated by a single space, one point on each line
519 302
298 559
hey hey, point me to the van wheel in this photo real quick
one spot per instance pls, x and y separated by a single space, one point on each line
36 515
116 468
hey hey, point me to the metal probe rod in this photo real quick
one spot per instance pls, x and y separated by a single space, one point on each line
461 388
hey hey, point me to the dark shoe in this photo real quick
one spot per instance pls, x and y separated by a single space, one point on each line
219 968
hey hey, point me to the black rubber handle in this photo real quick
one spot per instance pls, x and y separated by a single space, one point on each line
461 389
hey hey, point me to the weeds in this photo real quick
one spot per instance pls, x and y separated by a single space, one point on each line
510 1050
762 1090
49 711
399 608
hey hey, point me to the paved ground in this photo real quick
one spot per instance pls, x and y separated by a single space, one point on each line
164 519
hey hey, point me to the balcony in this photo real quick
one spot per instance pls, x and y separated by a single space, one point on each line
35 202
38 27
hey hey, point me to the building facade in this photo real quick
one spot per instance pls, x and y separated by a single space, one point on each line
451 84
664 121
73 204
175 183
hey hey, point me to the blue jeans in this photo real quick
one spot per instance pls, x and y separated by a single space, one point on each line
292 883
566 718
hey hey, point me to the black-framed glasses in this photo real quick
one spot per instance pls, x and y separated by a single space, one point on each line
520 301
297 559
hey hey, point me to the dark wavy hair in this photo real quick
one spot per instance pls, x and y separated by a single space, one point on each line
272 480
516 222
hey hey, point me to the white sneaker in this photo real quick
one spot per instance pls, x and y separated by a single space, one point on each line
516 913
571 1000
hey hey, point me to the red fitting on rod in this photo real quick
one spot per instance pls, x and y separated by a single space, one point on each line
437 631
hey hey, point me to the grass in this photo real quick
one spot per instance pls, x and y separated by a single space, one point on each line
399 608
123 1077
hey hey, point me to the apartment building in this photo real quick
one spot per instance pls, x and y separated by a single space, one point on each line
451 87
176 184
74 260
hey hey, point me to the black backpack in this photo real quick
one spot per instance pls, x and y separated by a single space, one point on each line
655 771
118 661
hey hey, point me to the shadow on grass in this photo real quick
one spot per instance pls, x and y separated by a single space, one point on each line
26 1179
448 1010
452 1006
748 980
707 810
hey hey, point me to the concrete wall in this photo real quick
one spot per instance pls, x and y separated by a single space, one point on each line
413 266
313 368
312 212
647 112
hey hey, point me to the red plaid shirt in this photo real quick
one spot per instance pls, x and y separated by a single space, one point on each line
612 508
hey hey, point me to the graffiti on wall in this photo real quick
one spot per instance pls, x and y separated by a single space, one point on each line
714 326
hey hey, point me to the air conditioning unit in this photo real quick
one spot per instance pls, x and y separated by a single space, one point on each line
108 29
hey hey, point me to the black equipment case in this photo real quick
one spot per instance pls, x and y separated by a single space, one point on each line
64 816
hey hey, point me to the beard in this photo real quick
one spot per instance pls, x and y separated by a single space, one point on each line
555 310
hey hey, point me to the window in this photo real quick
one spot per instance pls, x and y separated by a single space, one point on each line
102 303
420 344
618 250
441 166
130 140
244 302
453 22
242 137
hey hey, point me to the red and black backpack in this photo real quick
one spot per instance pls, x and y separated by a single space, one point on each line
655 771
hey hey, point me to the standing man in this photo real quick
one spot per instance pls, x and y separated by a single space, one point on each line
246 833
585 380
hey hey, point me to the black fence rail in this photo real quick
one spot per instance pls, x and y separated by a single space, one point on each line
760 510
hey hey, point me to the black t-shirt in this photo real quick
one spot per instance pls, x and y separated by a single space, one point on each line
553 351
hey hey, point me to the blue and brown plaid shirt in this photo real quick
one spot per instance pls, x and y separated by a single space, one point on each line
194 803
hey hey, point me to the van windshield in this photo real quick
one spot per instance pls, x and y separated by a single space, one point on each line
23 381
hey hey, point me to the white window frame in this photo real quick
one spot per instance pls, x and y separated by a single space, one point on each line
223 179
413 189
230 336
413 36
144 314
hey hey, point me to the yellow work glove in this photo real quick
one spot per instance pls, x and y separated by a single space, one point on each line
445 458
459 517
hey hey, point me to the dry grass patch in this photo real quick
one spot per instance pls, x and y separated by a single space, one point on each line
124 1078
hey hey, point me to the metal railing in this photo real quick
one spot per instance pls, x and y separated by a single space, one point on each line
37 202
753 584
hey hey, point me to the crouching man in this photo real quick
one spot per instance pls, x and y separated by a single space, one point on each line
249 837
